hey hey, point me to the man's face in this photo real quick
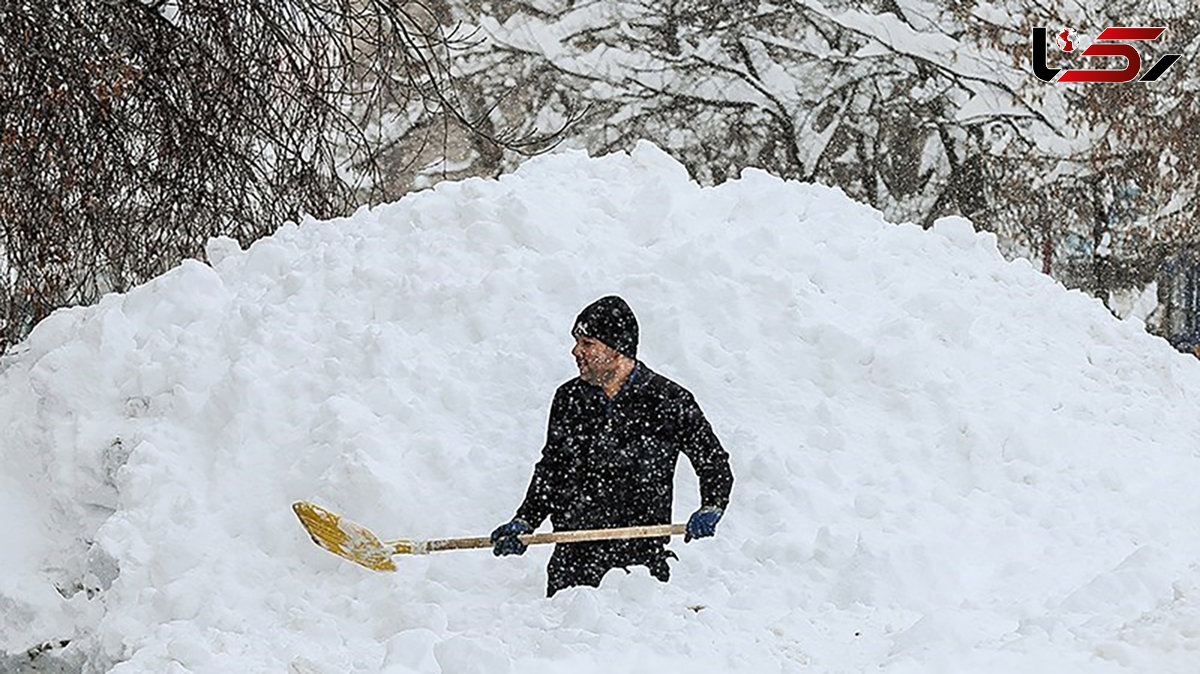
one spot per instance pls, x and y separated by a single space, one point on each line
596 360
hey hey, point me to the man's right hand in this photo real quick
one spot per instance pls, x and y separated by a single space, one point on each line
505 541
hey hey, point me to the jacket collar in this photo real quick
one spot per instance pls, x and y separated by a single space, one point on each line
634 379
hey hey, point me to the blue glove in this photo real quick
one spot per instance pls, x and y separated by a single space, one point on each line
504 538
702 523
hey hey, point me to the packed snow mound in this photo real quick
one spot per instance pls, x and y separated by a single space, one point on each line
944 461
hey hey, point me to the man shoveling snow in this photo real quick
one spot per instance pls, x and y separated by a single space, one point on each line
614 437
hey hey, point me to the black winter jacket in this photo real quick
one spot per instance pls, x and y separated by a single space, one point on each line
611 463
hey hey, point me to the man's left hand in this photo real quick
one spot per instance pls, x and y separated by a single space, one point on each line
703 523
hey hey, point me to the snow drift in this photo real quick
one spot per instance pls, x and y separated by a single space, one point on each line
944 461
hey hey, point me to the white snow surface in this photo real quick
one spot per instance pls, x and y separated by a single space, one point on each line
945 462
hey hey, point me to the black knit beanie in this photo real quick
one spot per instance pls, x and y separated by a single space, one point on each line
610 320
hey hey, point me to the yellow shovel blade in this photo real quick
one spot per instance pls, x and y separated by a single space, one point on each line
347 539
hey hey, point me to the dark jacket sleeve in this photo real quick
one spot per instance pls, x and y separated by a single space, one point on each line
550 474
703 449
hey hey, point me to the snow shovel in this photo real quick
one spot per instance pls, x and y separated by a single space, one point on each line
357 544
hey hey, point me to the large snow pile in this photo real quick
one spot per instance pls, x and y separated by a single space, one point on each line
945 462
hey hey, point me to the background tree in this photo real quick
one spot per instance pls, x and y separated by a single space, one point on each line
921 109
132 131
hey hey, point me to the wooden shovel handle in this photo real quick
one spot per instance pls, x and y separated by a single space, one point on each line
437 545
